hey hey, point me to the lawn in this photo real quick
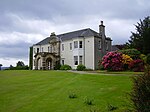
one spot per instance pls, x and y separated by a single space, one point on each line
48 91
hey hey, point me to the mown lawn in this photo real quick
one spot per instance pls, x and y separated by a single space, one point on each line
48 91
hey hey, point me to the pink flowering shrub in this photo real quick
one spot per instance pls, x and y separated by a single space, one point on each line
112 61
136 65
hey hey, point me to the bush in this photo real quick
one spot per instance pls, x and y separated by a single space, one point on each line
136 65
140 95
126 61
112 61
19 68
81 67
148 59
57 66
133 53
65 67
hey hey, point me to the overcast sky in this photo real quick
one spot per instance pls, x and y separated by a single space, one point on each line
26 22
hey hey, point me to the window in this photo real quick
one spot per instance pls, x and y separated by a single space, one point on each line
80 44
80 60
99 44
37 50
106 45
62 62
34 50
75 60
42 49
48 49
62 47
70 46
51 49
75 44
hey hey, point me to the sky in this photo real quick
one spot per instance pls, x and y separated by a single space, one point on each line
26 22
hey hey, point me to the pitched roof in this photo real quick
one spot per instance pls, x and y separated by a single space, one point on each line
70 35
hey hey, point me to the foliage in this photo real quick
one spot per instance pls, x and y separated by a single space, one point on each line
57 66
20 64
140 95
31 58
133 53
136 65
112 61
126 61
143 58
19 68
65 67
148 59
81 67
141 38
0 66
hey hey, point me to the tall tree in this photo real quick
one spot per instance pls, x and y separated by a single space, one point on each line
141 38
1 66
20 63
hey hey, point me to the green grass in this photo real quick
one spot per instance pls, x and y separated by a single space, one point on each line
48 91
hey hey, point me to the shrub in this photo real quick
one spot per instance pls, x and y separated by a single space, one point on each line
81 67
148 59
112 61
65 67
57 66
136 65
133 53
126 60
140 95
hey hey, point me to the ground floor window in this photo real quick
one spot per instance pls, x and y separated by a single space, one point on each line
80 60
75 60
62 62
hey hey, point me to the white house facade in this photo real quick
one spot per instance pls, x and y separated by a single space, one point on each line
84 47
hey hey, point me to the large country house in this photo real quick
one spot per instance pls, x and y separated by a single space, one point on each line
84 47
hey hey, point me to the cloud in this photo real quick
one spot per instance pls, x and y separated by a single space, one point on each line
26 22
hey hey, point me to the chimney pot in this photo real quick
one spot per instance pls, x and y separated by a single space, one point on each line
101 22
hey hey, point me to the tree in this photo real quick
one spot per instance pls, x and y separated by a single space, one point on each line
20 64
1 66
141 38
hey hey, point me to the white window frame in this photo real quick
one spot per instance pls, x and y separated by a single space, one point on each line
75 60
62 45
99 44
70 46
80 60
75 44
80 44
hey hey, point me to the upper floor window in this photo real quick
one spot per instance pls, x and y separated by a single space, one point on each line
75 44
62 47
99 44
70 46
48 49
34 50
42 49
106 45
37 50
80 44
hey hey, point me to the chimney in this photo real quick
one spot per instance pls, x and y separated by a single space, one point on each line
102 28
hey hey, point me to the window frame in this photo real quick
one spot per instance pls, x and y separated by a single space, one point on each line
75 44
80 44
62 47
75 60
80 60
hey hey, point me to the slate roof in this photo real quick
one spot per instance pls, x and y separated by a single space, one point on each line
70 35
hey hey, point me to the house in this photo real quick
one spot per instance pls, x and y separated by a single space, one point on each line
84 47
